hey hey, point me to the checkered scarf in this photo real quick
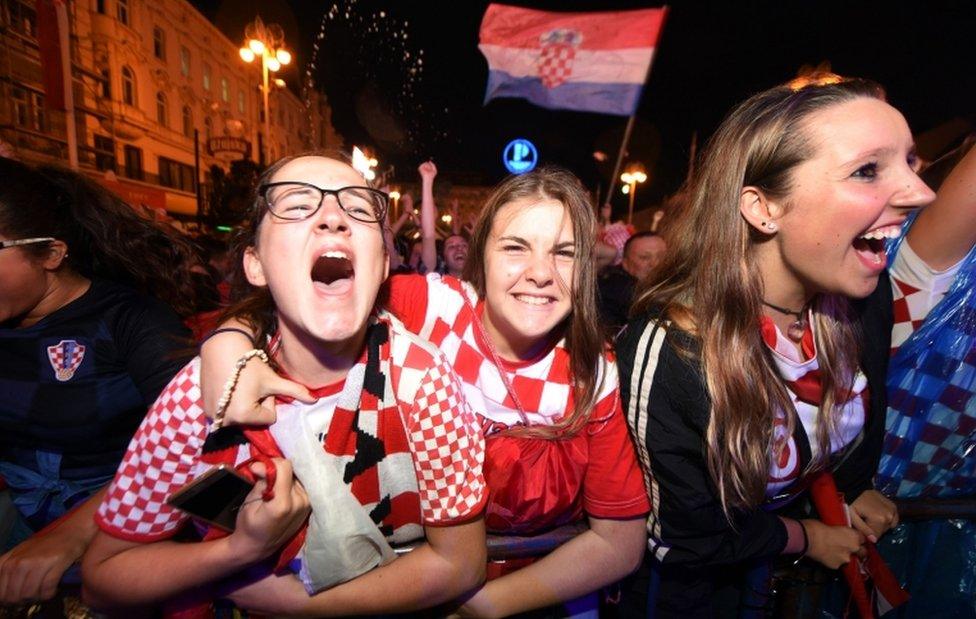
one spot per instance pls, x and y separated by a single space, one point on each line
368 392
931 422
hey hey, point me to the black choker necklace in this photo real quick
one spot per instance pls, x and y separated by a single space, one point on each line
798 327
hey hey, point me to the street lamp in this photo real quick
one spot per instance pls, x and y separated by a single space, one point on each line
634 175
266 42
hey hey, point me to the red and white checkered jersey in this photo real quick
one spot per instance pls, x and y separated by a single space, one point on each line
443 310
917 289
439 482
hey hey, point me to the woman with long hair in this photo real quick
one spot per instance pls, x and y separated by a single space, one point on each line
521 331
84 351
366 440
757 352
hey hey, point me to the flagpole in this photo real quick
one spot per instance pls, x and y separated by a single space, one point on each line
630 121
623 147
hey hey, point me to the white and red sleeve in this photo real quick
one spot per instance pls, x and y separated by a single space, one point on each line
162 457
435 307
447 445
916 288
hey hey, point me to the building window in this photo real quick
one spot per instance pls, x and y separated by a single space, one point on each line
206 77
100 6
20 16
176 175
159 43
184 61
122 11
187 121
128 86
224 90
241 108
133 162
105 83
208 127
162 109
104 153
28 109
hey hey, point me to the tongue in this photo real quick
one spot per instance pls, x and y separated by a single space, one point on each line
328 270
873 247
871 251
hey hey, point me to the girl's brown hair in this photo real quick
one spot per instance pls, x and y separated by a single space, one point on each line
709 283
584 341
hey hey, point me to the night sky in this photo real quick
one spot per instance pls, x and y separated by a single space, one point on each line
710 56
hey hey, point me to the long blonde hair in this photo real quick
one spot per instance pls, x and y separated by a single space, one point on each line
710 283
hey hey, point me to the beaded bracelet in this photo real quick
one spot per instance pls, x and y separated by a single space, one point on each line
231 384
249 336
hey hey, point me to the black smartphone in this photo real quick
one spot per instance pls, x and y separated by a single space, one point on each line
214 497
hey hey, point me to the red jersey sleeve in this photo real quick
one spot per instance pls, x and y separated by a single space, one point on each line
447 446
613 486
406 298
161 458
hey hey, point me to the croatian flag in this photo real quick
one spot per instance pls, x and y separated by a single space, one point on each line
590 62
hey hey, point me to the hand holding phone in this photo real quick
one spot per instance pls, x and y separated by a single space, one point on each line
214 497
263 526
225 499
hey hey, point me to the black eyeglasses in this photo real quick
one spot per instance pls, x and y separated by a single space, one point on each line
15 243
293 200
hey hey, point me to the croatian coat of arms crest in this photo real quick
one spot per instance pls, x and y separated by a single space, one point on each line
556 56
65 357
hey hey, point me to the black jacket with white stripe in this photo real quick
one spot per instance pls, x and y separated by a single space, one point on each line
667 406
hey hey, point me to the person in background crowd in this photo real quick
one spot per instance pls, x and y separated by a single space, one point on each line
522 333
615 286
83 353
377 408
931 421
455 255
748 369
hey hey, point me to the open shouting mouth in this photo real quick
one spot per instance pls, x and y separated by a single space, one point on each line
332 269
870 246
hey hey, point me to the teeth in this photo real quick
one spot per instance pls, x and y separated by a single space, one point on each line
887 232
532 300
332 253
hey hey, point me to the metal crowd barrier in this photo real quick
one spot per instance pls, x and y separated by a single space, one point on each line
937 509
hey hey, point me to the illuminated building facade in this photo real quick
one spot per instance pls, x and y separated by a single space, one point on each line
160 95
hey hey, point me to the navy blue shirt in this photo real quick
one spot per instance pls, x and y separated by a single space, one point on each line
73 389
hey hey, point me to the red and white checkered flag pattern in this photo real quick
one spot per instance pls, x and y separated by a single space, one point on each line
440 428
65 357
557 54
556 64
162 457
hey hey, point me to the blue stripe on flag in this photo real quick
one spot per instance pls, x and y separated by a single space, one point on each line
609 98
